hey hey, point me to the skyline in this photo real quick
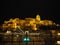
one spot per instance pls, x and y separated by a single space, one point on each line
24 8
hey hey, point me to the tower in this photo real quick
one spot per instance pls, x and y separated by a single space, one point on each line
38 17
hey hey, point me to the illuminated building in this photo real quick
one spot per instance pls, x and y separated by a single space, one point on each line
15 30
28 22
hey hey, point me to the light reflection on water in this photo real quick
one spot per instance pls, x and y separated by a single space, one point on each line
40 39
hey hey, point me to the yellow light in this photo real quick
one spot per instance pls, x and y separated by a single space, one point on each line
58 34
38 17
15 25
58 42
35 28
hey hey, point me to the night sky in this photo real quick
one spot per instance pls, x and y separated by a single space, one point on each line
29 8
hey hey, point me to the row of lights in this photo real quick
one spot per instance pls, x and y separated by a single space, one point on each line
28 39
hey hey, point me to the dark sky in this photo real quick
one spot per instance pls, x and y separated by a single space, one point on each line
29 8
